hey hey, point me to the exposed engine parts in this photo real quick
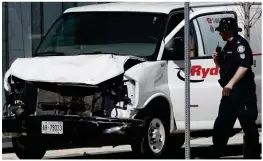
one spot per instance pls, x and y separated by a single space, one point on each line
68 99
110 98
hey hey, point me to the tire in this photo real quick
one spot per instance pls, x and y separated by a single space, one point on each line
152 143
28 149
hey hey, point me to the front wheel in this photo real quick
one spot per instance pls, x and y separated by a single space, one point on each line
153 141
25 148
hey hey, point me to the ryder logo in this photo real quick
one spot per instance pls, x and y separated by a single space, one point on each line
197 70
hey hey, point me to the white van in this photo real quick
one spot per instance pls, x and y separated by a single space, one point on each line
112 74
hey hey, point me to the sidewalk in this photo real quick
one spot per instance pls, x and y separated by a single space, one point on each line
237 139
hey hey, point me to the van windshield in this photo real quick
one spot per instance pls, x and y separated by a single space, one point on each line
121 33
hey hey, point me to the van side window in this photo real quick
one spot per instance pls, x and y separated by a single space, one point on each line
209 36
179 49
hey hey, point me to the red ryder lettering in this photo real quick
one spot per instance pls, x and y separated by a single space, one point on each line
197 70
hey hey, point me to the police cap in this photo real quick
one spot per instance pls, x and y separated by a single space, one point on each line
228 24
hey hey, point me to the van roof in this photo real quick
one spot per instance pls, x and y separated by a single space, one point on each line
152 7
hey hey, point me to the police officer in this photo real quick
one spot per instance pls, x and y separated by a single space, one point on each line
239 90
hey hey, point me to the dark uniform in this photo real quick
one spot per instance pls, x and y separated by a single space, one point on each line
241 103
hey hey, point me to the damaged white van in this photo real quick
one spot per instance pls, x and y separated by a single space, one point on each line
113 74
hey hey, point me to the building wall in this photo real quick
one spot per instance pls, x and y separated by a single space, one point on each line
256 29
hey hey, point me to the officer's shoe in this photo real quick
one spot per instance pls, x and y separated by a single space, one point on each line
252 152
252 155
211 153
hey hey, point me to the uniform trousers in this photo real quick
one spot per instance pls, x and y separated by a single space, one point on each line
241 104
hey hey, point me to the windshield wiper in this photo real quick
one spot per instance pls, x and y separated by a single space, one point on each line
97 52
50 53
100 52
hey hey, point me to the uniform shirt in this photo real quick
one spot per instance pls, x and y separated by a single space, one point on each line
236 53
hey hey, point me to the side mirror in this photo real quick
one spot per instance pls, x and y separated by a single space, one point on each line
174 50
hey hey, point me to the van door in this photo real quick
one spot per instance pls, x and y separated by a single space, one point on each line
257 69
203 68
205 91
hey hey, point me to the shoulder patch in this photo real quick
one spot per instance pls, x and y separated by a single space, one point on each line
241 48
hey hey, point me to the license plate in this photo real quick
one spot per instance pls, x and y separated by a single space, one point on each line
52 127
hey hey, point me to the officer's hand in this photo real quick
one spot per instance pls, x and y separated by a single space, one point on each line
226 91
214 54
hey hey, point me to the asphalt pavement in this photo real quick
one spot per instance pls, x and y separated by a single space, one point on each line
199 149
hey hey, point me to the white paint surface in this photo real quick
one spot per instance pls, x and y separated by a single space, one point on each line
86 69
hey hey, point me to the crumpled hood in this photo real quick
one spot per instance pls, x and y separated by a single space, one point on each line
87 69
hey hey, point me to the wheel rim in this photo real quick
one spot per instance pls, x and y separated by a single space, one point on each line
156 135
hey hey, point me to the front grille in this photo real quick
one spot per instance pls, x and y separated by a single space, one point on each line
48 101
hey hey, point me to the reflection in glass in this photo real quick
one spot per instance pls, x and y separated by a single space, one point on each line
105 32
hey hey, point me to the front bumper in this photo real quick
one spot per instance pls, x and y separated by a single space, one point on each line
72 125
